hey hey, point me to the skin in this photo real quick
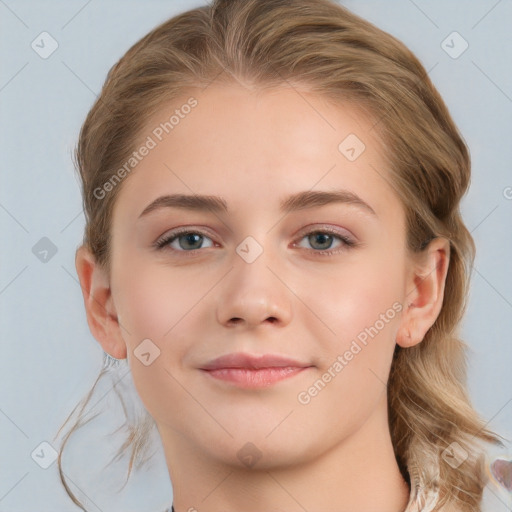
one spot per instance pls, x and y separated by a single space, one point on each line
254 148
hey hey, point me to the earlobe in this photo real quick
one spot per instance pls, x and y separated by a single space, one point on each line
425 293
99 306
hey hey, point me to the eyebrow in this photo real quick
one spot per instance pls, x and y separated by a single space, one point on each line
299 201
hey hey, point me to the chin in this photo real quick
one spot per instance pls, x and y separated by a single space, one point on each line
258 453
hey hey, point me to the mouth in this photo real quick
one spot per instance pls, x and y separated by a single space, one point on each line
253 372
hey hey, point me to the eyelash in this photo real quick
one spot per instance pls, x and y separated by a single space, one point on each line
163 242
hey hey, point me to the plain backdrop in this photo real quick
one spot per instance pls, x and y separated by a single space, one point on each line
49 358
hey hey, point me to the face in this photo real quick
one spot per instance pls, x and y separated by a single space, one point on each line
301 258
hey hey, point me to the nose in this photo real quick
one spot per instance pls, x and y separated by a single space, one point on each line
254 294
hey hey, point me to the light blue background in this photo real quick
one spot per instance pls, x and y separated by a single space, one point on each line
50 360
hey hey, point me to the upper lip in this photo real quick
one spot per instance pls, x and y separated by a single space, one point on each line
241 360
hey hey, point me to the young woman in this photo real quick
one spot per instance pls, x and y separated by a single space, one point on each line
274 247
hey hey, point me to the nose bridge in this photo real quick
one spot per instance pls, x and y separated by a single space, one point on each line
252 294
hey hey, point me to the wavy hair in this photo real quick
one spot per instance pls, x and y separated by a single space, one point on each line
321 47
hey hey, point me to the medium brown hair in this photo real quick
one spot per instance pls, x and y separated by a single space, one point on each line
321 47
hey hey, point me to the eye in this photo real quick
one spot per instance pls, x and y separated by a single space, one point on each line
184 240
322 240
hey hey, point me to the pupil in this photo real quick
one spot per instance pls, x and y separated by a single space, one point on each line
322 238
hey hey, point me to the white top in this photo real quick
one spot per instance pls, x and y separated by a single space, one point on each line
496 497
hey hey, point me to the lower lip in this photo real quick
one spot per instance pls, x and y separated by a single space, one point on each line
258 378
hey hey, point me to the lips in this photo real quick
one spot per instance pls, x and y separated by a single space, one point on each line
248 362
253 372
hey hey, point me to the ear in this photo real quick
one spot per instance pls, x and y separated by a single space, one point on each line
424 292
99 306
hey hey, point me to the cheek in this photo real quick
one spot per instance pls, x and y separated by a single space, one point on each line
147 306
149 302
153 306
351 297
361 305
170 307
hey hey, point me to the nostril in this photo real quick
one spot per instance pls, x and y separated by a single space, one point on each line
236 320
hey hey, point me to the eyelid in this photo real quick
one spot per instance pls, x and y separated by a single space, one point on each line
322 228
344 235
162 241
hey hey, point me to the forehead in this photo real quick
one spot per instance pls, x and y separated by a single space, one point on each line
255 146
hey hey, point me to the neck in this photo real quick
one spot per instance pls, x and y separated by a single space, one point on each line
357 475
